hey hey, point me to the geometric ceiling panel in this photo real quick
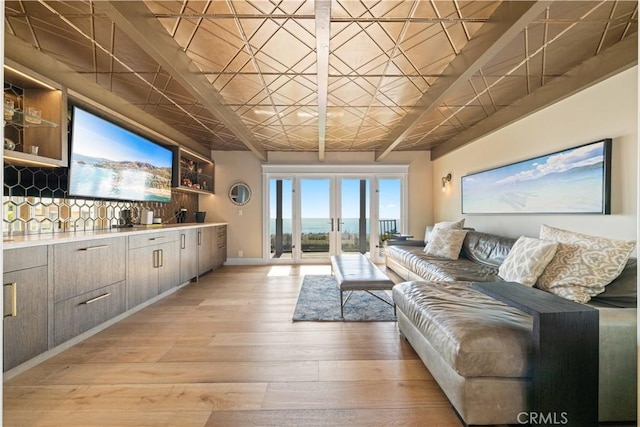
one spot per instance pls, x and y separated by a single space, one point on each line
324 76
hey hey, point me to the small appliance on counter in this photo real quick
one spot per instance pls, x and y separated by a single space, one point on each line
146 216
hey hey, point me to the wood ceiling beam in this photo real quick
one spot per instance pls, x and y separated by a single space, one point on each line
86 91
619 57
323 35
134 19
509 19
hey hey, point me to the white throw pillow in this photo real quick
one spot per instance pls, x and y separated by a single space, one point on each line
445 243
449 225
527 260
583 264
443 225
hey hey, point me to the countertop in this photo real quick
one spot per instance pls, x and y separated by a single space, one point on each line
31 240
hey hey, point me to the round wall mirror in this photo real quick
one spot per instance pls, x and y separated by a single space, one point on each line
239 193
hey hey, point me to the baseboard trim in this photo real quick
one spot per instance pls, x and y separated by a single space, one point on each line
245 261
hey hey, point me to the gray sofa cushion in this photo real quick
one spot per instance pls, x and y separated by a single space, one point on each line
433 268
477 335
623 291
487 249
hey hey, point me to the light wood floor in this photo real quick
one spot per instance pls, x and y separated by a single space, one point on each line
224 352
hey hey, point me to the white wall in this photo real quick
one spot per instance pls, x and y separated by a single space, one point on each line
607 110
245 231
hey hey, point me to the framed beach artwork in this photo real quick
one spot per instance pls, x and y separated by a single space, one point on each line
572 181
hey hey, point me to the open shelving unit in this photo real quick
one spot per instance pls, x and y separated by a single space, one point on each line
34 115
195 173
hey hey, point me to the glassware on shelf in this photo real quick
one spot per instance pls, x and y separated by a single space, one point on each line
9 108
33 116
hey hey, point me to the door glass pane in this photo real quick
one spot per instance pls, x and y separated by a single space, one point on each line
315 217
281 209
354 220
389 208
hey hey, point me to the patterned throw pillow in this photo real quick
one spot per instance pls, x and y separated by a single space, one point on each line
445 243
526 260
583 265
444 225
449 225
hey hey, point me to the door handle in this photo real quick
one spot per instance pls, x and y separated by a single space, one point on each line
14 299
94 248
98 298
183 240
339 223
331 222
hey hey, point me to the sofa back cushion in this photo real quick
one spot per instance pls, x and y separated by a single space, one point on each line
487 249
623 291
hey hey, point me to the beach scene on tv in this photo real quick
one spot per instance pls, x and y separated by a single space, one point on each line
110 162
571 181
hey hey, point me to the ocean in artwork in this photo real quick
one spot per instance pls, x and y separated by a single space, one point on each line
567 182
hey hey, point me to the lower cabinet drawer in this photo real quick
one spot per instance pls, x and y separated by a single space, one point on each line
79 314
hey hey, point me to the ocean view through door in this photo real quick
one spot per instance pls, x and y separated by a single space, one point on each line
317 223
311 216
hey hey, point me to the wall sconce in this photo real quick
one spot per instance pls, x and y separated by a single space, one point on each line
445 180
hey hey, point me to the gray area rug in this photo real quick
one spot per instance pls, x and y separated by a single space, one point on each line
319 300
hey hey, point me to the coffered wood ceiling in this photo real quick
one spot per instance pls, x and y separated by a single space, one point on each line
323 76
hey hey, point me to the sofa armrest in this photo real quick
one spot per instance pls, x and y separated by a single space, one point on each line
397 242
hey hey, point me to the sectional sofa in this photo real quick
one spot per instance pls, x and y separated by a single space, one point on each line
478 348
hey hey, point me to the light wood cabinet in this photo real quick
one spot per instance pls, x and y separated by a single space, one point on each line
221 249
53 293
154 266
82 267
206 244
188 254
25 324
77 315
88 285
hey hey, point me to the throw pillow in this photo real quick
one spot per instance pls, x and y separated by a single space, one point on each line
526 260
445 243
449 225
583 265
443 225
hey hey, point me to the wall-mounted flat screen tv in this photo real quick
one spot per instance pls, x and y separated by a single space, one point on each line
110 162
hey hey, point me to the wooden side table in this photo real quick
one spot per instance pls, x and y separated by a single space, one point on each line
564 383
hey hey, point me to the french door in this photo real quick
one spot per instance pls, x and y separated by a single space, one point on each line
311 216
334 216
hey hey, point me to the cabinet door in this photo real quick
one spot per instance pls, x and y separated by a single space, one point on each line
221 254
82 267
25 311
142 280
188 254
77 315
168 265
205 249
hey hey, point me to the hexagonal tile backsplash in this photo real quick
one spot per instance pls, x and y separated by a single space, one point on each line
35 201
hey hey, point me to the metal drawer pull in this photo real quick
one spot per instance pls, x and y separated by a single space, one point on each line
159 237
160 258
92 300
93 248
183 241
14 299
